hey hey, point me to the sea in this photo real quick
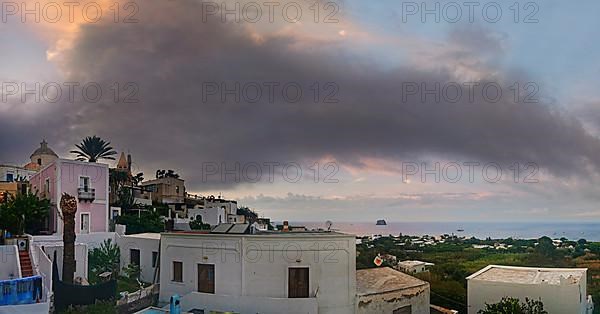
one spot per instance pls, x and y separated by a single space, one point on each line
481 230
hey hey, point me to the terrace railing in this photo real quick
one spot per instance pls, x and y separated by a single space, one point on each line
21 291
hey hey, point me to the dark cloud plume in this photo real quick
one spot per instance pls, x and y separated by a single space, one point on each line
171 54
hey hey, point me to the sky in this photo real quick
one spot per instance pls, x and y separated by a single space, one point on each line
314 111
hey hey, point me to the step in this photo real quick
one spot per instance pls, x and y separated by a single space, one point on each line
26 265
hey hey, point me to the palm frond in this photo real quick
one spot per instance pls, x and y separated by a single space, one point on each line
94 148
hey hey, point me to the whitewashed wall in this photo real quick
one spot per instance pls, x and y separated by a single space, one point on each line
9 262
564 298
146 247
416 298
257 266
209 215
81 257
241 304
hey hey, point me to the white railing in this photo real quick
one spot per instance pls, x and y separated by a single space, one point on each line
43 267
138 295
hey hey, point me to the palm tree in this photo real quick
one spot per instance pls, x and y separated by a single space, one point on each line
68 204
166 174
138 178
94 148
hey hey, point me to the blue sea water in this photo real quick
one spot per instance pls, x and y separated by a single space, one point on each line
481 230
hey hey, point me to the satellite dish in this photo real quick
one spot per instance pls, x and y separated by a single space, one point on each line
328 225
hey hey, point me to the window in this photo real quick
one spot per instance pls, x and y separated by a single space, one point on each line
206 278
177 189
85 223
84 183
39 161
154 259
10 177
47 185
134 257
298 282
177 271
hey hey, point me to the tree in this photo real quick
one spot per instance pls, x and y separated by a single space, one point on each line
132 271
166 174
68 205
117 179
145 221
545 247
138 178
199 225
94 148
514 306
23 213
125 199
105 258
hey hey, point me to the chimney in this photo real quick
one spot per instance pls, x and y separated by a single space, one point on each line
286 227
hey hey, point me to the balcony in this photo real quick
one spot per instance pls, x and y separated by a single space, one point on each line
86 194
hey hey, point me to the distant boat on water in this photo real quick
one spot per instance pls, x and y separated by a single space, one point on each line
381 222
460 230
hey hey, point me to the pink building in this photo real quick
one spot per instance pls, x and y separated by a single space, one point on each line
85 180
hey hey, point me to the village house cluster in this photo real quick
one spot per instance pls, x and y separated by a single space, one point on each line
214 256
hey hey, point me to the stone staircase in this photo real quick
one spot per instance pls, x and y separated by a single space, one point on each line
26 267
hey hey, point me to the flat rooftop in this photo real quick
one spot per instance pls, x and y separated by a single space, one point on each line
150 236
529 275
384 279
262 233
414 263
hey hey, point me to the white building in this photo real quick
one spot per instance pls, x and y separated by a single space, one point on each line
56 250
388 291
413 267
142 250
229 205
210 215
267 272
10 173
562 290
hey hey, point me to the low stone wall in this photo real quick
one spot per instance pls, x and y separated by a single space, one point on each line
138 300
